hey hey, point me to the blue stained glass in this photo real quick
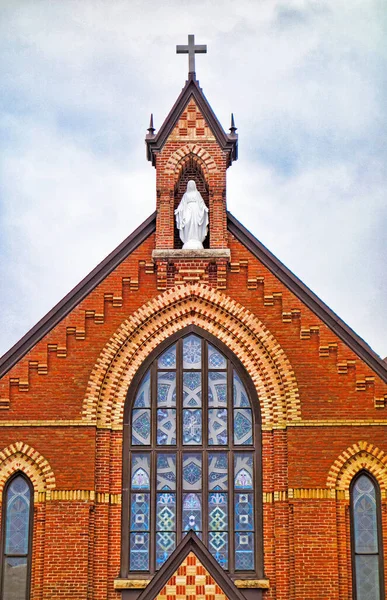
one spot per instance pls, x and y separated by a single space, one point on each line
243 426
192 471
192 352
166 512
143 397
367 577
166 389
139 551
168 359
166 471
165 545
216 360
218 546
243 469
192 426
141 426
192 512
217 389
241 399
218 471
365 520
244 512
217 426
166 426
192 389
217 511
139 508
18 513
140 471
244 551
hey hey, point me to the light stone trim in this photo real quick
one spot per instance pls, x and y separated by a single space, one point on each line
168 313
141 584
181 254
362 455
22 457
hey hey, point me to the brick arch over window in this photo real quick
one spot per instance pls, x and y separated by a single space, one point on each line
22 457
359 456
214 312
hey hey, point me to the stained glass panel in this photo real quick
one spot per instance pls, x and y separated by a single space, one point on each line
139 551
140 471
244 551
192 512
141 426
139 508
243 469
165 545
166 389
192 471
244 512
216 360
241 399
14 578
217 389
18 512
243 426
192 389
217 511
192 352
367 577
218 546
166 512
192 426
218 471
364 506
143 397
166 426
217 426
166 471
168 359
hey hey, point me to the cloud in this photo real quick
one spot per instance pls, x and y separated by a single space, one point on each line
306 83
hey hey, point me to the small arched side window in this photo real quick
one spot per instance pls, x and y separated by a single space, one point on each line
192 444
16 538
367 555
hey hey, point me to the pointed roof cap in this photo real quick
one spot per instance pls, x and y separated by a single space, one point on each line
228 143
191 543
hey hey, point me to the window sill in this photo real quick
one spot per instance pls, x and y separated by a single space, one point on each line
140 584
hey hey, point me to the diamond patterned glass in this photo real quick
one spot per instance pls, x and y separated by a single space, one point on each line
367 577
14 578
192 352
18 514
193 413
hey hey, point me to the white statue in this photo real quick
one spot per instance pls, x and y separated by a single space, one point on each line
192 218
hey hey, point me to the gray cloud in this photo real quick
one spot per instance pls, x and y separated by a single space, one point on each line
306 83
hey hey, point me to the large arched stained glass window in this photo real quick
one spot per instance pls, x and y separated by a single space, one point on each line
16 538
366 539
193 459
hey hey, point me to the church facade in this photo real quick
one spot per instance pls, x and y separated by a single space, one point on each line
192 422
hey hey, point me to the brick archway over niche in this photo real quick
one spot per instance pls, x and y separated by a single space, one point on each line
203 158
355 458
21 457
212 311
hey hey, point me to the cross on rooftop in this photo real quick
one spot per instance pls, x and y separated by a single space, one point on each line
191 50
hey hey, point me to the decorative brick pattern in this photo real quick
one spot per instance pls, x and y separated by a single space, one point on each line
21 457
362 455
191 581
213 311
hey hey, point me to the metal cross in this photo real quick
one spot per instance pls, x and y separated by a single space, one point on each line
191 50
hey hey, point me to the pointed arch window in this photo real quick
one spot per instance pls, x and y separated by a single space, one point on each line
16 538
193 448
367 552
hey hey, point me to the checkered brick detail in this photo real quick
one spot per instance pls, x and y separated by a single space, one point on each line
191 581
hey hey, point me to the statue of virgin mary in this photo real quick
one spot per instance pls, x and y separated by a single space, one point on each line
192 218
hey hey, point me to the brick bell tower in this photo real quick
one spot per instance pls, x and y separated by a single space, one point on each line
191 145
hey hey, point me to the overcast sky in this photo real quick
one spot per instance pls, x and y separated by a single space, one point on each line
306 82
